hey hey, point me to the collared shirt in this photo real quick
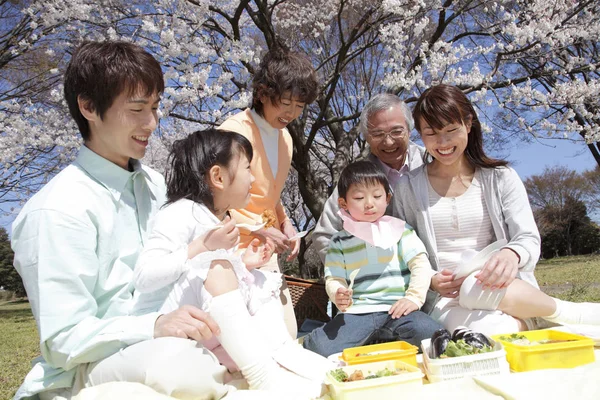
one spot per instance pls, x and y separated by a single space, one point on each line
393 174
76 243
270 139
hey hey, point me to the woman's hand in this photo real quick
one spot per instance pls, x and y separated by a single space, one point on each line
225 237
500 270
343 299
289 231
279 240
257 253
444 283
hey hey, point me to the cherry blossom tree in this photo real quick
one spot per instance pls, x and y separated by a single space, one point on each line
531 67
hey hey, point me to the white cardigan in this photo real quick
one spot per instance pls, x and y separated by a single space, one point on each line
507 204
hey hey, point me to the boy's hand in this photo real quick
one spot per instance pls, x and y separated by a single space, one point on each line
401 308
279 240
289 231
257 253
343 299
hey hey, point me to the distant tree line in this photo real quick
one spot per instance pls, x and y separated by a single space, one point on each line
563 202
10 279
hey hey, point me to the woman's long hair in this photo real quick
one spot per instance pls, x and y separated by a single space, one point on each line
444 104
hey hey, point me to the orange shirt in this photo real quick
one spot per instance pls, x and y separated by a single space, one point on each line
266 189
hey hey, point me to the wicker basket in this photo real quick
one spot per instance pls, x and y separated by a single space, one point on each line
309 299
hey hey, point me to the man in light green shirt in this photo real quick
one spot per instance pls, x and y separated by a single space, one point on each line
77 240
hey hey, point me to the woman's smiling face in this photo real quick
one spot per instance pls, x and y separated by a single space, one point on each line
447 145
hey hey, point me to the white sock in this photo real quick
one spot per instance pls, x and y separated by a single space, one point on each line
243 340
568 312
269 318
287 351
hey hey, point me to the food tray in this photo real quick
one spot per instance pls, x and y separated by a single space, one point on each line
491 363
387 387
398 350
578 351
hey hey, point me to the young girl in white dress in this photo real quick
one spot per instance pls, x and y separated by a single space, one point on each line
191 258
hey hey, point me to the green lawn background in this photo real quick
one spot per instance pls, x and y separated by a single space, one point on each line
569 278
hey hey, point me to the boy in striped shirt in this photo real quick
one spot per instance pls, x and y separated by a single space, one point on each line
394 270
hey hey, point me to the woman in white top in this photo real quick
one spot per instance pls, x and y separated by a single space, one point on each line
460 202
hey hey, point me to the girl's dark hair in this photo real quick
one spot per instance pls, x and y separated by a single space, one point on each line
191 159
444 104
100 71
361 173
280 71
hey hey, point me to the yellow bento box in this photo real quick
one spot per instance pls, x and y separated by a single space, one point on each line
564 350
398 350
384 387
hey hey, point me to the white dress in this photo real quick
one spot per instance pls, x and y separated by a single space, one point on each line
165 279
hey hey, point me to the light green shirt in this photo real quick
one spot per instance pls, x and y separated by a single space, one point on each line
76 243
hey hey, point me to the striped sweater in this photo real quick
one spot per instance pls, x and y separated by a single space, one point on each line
384 275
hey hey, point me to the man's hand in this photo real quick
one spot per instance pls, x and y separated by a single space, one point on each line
500 270
401 308
186 322
444 283
257 253
343 299
289 231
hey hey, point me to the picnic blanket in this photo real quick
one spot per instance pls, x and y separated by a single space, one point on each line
579 383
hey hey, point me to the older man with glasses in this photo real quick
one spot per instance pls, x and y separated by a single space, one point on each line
386 123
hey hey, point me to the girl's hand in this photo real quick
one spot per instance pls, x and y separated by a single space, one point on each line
289 231
401 308
444 283
257 254
343 299
279 240
500 270
225 237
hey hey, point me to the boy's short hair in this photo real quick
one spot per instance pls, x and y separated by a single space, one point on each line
100 71
280 71
361 173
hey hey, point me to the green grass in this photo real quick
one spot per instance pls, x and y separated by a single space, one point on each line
569 278
18 345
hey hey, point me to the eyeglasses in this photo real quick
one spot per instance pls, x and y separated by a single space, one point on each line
396 133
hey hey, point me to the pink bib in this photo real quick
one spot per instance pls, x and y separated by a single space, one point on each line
383 233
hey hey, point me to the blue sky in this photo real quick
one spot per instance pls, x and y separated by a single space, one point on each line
531 158
526 158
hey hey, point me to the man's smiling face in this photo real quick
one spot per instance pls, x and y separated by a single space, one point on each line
390 150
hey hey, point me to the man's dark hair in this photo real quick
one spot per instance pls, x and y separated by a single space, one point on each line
280 71
100 71
361 173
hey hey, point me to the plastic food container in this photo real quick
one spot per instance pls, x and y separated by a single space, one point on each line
386 387
578 350
402 351
443 369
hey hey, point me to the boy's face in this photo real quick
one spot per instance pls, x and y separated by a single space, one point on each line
365 202
124 131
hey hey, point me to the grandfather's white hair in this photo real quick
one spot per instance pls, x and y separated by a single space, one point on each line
381 102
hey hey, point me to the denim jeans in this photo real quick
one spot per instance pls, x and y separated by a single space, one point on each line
351 330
